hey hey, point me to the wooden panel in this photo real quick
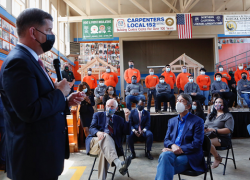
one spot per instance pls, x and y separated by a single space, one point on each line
70 130
71 138
70 122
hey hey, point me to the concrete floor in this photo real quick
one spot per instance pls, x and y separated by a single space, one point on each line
79 165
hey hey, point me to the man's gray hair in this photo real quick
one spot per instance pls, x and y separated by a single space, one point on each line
116 103
187 97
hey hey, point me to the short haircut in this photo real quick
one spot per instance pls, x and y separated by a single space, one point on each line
101 79
190 76
218 74
220 66
116 103
183 66
187 97
167 65
142 100
31 17
162 77
133 76
244 73
131 61
203 69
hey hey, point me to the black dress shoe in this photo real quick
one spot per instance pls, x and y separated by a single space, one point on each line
133 155
149 156
125 164
2 166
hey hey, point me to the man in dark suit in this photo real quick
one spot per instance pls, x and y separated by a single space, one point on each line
105 139
35 107
183 142
140 125
67 74
2 142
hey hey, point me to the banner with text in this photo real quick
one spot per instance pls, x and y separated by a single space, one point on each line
145 24
97 28
207 20
237 24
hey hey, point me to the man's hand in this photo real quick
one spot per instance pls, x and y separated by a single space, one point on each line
166 149
127 113
176 149
135 94
63 86
209 130
76 98
101 97
245 85
204 86
100 135
194 94
222 90
152 88
233 85
141 133
137 133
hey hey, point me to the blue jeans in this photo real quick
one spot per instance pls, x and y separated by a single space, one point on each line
131 98
151 92
246 97
206 94
171 164
166 103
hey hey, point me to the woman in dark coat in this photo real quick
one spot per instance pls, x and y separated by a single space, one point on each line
86 109
197 110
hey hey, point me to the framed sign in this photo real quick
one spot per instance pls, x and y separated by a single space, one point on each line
97 28
237 24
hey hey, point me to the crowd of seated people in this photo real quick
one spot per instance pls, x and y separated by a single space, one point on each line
180 152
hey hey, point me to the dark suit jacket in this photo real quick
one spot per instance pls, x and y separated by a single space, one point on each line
134 120
191 140
121 127
36 133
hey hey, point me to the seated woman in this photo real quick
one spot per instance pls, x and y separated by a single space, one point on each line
86 109
109 94
221 123
197 110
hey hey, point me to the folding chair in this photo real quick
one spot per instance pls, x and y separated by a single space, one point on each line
220 148
140 146
206 146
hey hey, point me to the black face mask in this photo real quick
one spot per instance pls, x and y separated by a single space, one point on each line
48 44
244 77
131 66
66 68
140 108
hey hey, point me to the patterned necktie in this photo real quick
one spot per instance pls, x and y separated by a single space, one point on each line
139 122
40 62
110 126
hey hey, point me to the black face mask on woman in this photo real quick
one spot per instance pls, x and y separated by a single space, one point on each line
48 44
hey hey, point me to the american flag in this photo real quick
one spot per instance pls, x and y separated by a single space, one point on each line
184 24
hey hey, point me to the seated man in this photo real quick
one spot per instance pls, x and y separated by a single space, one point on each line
163 94
244 87
193 90
140 125
134 92
222 89
99 93
105 139
183 142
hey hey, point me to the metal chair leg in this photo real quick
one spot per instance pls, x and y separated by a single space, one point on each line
211 174
113 174
179 176
92 169
225 165
233 156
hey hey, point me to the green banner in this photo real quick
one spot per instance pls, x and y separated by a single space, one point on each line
97 28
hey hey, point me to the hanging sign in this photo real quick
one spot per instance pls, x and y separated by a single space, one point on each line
208 20
97 28
143 24
237 24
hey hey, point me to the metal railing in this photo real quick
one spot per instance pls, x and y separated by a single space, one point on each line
233 62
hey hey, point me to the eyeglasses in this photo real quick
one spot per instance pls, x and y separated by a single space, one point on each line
181 100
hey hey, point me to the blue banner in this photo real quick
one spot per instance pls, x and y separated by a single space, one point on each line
208 20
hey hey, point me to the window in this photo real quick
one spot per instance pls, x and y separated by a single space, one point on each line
62 38
17 7
3 3
54 15
34 3
45 5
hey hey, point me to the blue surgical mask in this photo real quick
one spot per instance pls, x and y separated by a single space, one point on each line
110 112
134 81
167 69
85 90
131 66
194 107
162 81
107 70
184 70
101 84
151 73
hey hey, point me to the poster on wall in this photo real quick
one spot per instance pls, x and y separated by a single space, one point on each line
237 24
6 46
144 24
107 51
97 28
209 20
